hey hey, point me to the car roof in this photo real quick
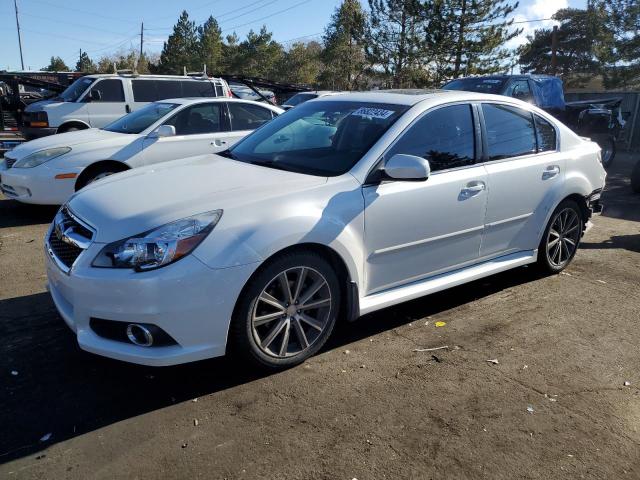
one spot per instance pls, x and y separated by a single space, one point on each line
405 96
151 77
192 100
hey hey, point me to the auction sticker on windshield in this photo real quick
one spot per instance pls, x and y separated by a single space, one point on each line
373 112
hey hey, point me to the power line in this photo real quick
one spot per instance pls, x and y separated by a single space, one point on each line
91 27
257 20
93 14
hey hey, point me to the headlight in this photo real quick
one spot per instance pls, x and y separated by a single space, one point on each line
161 246
38 158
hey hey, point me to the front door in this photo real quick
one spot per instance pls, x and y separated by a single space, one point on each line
414 230
108 105
199 130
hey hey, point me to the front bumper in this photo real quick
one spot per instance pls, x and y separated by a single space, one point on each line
31 133
36 185
593 202
190 301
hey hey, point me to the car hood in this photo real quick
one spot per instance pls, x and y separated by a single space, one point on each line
70 139
142 199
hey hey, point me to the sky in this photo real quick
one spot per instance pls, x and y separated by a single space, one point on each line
62 28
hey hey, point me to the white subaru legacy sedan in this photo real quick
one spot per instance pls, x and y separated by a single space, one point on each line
50 169
337 208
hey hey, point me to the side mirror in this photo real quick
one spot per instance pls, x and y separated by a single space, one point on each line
95 95
407 167
163 131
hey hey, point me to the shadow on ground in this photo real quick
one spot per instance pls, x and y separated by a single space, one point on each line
16 214
618 199
62 390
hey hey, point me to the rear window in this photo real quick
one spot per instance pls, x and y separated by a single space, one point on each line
510 131
481 85
144 90
168 89
199 89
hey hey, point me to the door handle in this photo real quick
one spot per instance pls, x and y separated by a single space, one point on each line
550 172
218 143
472 189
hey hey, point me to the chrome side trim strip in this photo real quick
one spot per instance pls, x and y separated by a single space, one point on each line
508 220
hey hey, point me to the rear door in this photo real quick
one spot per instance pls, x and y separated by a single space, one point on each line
244 118
199 130
110 106
524 166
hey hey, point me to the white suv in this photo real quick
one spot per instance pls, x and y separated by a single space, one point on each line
97 100
337 208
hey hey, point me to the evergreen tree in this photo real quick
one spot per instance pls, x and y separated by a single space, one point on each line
301 63
623 20
583 42
180 49
393 38
56 65
85 64
210 45
476 33
344 55
258 55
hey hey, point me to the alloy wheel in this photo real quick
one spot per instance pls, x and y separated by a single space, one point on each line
291 312
563 237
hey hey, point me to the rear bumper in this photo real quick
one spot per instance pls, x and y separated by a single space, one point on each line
37 132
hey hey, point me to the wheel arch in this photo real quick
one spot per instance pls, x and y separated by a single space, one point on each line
96 166
73 124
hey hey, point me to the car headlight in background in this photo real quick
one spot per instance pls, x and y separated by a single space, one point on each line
161 246
38 158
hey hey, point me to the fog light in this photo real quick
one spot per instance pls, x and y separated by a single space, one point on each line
139 335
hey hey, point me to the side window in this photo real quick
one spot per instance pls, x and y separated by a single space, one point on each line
110 90
546 135
168 89
445 137
248 117
204 118
144 90
510 131
195 88
520 90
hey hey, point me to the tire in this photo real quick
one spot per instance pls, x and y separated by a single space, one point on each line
95 174
269 329
561 238
608 146
635 178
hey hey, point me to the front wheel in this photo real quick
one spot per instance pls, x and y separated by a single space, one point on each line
561 238
286 312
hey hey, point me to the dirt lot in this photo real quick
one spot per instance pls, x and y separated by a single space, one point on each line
368 407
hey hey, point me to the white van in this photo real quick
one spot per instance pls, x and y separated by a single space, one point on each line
97 100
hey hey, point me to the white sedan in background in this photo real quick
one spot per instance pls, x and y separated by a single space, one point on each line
49 170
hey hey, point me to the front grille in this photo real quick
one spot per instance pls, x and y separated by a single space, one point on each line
65 224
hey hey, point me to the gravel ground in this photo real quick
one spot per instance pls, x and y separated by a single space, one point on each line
554 405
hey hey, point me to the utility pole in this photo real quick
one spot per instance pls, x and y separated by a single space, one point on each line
141 39
80 59
554 50
15 6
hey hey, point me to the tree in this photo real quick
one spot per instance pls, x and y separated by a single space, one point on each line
257 56
301 63
180 49
210 45
477 32
56 65
393 40
583 43
85 64
344 53
623 20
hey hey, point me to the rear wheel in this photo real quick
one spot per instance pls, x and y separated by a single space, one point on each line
286 312
608 146
561 237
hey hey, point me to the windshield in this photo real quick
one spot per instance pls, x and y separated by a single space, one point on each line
77 88
318 138
479 84
140 120
300 98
